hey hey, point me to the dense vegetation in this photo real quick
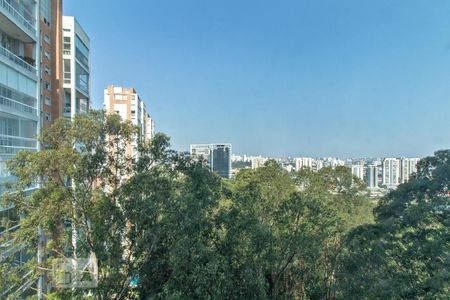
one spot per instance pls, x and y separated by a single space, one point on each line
162 226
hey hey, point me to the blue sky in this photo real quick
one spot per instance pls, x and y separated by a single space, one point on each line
281 77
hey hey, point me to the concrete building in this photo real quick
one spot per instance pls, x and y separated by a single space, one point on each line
391 172
372 176
304 162
358 171
258 161
408 166
76 68
127 103
218 157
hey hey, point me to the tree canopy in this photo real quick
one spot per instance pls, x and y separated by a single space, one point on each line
161 225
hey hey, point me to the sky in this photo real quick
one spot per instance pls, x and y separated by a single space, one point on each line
346 78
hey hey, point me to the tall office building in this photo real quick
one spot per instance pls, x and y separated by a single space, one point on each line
372 176
408 166
76 68
391 172
127 103
218 157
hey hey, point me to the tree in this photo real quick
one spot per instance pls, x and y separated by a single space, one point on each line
286 232
93 199
406 253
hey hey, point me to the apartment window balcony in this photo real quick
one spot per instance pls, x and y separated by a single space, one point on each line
22 62
20 14
18 106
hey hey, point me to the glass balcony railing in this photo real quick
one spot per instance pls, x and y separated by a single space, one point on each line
17 105
16 59
28 22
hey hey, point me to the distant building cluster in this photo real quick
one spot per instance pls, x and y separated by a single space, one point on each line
380 174
217 156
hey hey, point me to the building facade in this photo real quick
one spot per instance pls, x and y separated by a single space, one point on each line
372 176
258 162
20 109
127 103
50 21
408 167
218 157
76 68
358 171
391 172
304 162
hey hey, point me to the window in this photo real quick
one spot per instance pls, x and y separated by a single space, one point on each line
47 39
47 54
66 46
48 117
47 86
82 52
48 101
46 11
66 71
47 70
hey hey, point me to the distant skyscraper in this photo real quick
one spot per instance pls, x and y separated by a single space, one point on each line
391 172
358 171
408 167
372 176
218 157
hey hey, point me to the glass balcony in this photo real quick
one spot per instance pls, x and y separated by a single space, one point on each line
17 60
20 13
18 106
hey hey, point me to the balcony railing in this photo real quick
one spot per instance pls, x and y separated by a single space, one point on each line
18 105
19 61
29 24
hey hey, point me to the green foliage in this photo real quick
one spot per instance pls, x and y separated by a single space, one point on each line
162 226
406 253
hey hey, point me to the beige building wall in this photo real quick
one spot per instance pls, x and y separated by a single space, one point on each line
127 103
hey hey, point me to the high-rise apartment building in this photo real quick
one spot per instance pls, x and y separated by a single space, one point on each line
32 92
304 162
20 109
76 68
372 176
19 79
358 171
258 162
218 157
408 166
127 103
391 172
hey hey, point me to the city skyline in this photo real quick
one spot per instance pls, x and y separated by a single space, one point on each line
358 79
